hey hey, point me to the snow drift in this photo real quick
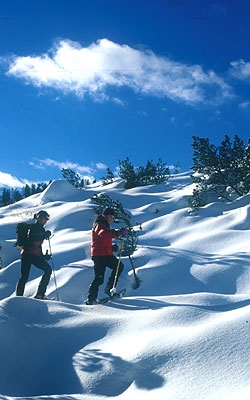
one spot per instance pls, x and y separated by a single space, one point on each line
183 334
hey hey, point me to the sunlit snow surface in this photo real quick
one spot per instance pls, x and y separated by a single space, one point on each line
182 335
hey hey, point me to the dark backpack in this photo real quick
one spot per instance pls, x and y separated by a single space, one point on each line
22 231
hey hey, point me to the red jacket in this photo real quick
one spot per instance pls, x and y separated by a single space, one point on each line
102 237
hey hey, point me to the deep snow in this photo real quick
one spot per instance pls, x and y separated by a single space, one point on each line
182 335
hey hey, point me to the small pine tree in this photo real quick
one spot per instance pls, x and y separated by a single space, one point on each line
6 197
149 175
109 178
17 196
221 172
33 189
177 167
72 177
128 173
26 191
162 173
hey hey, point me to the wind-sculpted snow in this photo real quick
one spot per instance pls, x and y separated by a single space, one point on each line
183 334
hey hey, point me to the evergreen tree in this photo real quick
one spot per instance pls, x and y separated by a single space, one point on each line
109 178
177 167
33 189
17 196
26 191
13 195
162 173
41 187
141 176
127 173
221 172
72 177
6 197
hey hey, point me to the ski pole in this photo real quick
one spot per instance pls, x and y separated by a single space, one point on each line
113 290
53 269
137 280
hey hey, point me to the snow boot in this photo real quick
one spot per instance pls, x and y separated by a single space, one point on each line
90 302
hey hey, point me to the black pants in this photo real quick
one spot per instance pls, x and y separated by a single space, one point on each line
38 261
100 264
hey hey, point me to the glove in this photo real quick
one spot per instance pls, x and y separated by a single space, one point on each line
47 234
122 232
115 248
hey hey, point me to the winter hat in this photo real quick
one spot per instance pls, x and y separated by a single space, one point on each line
42 214
109 211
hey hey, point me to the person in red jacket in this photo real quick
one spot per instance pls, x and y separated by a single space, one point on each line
31 253
102 253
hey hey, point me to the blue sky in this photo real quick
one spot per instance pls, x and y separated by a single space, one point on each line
85 83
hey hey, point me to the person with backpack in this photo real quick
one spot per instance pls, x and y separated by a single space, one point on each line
31 254
102 253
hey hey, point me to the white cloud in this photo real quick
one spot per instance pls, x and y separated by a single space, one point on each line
240 69
142 113
92 70
118 101
86 172
245 105
11 181
173 121
48 162
101 166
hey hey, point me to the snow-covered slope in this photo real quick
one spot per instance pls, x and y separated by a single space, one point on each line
182 335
